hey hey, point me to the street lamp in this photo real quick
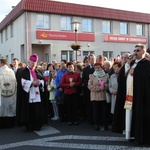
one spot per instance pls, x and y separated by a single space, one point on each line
76 46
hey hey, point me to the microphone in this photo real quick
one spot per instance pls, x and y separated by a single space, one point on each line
131 56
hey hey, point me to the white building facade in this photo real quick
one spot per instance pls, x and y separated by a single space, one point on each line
44 27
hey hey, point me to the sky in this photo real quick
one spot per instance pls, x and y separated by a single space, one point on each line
131 5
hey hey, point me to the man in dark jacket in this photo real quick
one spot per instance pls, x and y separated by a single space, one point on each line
134 99
85 78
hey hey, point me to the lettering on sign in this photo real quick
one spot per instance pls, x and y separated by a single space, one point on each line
55 35
124 39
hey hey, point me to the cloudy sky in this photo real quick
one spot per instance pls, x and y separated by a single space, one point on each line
132 5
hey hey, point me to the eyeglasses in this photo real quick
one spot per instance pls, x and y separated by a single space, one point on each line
137 50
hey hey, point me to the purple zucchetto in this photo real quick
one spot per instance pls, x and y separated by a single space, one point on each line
34 57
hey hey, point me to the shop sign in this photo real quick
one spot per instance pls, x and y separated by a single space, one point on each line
124 39
70 36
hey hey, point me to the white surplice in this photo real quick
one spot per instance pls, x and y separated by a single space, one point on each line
129 112
34 92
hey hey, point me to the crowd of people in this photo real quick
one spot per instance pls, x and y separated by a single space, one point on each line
107 93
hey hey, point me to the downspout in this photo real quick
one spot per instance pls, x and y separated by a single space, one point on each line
26 38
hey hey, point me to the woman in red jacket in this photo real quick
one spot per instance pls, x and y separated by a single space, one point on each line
70 81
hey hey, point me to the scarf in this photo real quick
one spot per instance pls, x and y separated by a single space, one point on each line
32 71
99 73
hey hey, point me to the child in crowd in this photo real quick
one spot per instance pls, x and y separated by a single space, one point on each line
52 90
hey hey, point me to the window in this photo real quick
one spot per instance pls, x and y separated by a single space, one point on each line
2 37
123 52
139 29
11 30
65 23
107 54
47 57
123 28
7 58
106 26
42 21
6 34
67 55
12 57
87 25
86 53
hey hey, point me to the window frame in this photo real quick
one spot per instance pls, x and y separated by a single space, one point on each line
86 53
106 29
65 23
11 30
109 54
124 26
88 24
69 55
2 37
45 21
139 33
6 33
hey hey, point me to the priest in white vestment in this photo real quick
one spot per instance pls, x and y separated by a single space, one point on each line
7 95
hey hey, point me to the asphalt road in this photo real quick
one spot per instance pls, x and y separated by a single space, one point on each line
59 136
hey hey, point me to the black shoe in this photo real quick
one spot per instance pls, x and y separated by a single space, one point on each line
131 140
28 130
91 122
37 129
139 144
70 123
76 123
106 128
96 127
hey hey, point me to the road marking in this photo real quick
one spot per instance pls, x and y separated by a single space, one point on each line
86 146
47 130
50 142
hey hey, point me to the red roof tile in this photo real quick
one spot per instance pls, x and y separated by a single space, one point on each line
56 7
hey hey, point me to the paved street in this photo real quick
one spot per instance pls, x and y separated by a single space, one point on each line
60 136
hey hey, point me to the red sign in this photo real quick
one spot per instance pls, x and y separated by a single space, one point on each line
53 35
124 39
